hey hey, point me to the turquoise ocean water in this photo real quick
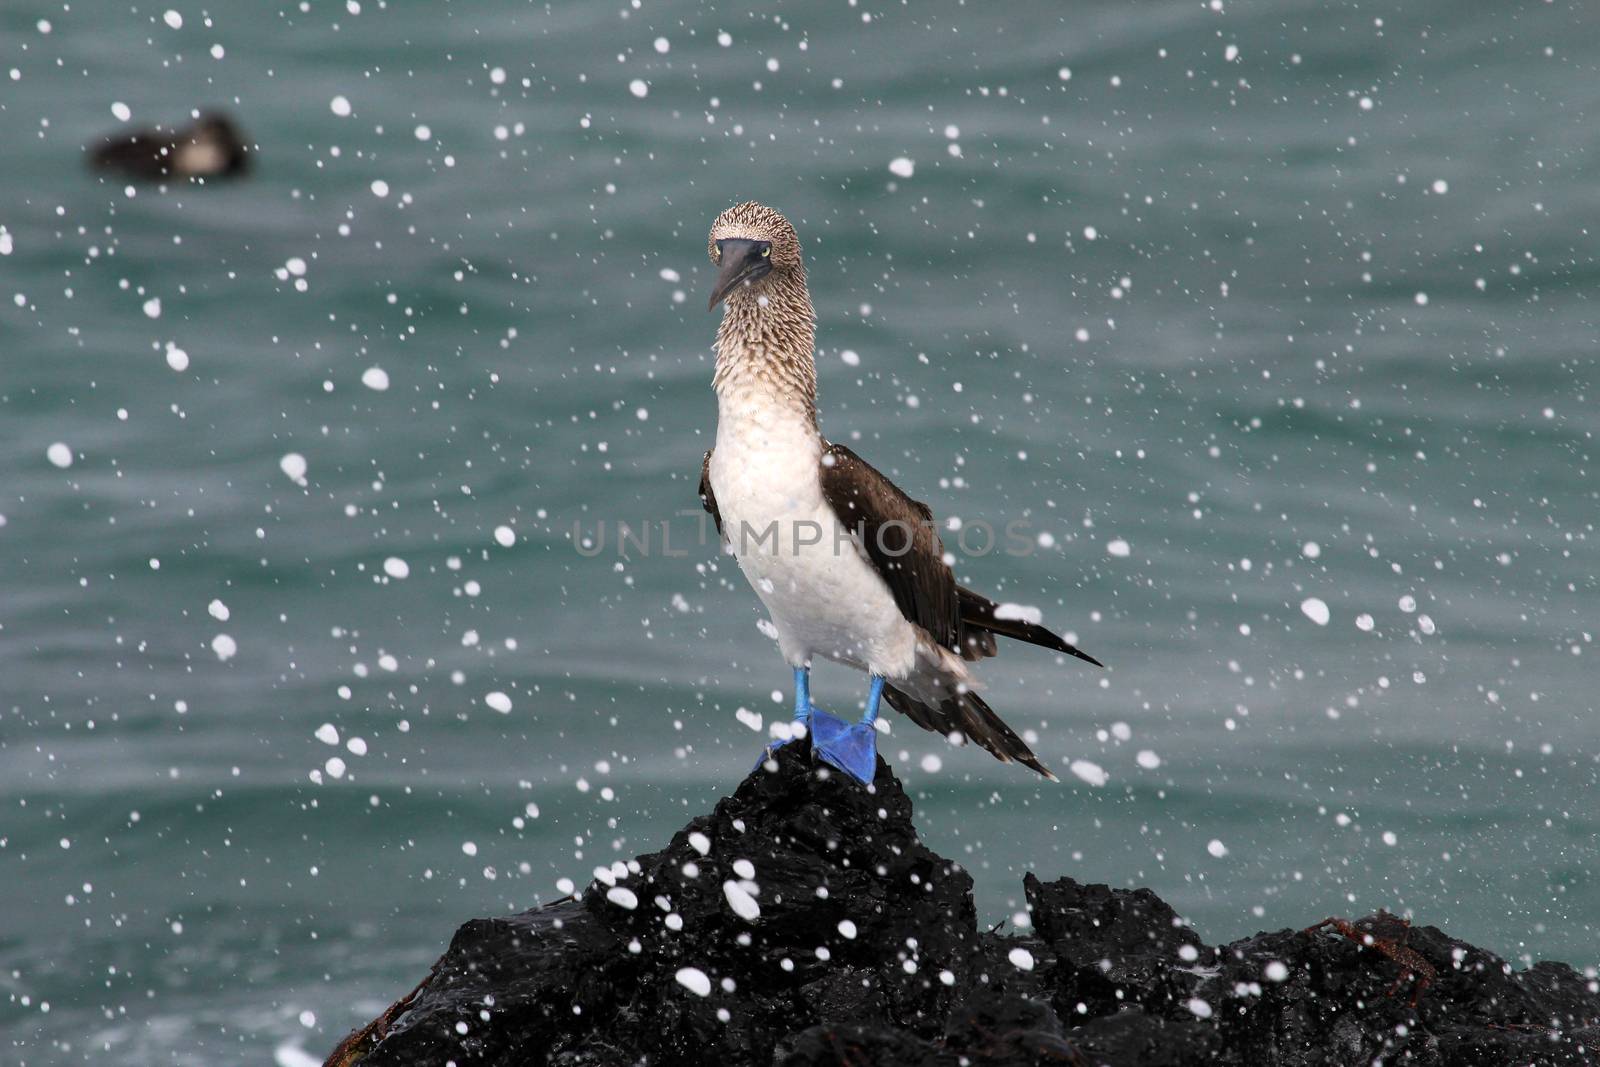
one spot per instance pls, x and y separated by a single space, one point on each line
1258 314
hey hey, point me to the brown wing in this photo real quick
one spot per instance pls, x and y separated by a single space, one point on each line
979 625
897 535
708 499
964 712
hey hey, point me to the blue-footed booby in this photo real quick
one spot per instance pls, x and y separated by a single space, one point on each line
849 567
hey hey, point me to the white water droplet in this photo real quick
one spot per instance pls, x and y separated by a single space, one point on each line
121 111
293 464
1216 848
340 106
59 454
375 378
505 536
1118 548
1316 609
1007 611
328 734
218 610
694 980
743 904
1092 773
498 701
224 646
639 87
173 19
901 167
1021 959
395 567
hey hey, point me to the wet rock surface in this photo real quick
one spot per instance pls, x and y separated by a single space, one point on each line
802 922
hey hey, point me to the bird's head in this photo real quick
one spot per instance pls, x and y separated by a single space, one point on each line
216 128
752 246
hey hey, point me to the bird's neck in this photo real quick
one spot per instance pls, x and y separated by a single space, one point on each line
766 348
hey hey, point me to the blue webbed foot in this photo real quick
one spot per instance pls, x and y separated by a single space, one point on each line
850 746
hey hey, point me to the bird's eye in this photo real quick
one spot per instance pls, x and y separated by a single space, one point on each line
766 251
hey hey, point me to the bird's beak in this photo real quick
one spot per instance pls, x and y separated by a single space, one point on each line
741 262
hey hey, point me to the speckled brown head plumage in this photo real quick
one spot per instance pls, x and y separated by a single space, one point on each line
757 222
768 334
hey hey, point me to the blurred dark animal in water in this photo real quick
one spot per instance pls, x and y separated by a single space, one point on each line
212 147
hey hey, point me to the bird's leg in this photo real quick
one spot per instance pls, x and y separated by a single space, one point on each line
800 725
802 695
874 698
853 748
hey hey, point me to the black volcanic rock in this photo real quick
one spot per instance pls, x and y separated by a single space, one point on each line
802 922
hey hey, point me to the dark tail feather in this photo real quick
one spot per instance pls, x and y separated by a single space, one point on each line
966 713
979 625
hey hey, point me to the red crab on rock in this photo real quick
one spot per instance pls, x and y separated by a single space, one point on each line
1387 934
